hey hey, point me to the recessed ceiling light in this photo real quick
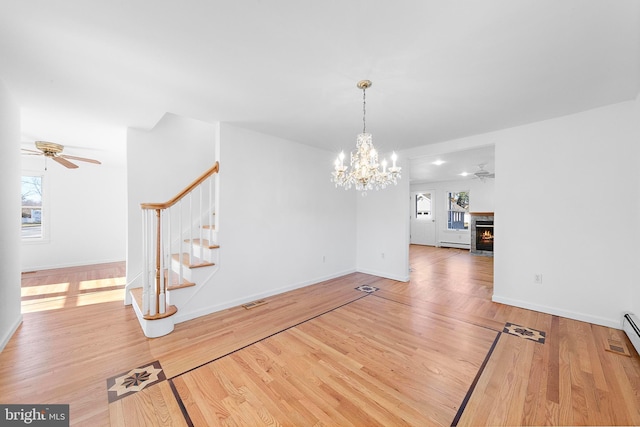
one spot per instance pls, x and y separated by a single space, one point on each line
465 174
438 162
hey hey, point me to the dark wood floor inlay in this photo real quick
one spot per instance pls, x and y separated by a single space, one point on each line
524 332
366 288
134 381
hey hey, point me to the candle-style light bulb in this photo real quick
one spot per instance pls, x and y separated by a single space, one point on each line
394 157
384 165
341 157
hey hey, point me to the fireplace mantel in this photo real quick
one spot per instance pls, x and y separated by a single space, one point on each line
481 213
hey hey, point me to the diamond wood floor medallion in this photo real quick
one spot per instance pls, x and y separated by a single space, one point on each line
366 288
134 381
524 332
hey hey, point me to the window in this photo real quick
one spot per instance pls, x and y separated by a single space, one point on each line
458 210
423 206
32 207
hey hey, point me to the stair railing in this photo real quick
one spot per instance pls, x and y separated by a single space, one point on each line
164 233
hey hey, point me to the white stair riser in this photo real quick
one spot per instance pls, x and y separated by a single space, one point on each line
207 254
195 275
178 297
153 328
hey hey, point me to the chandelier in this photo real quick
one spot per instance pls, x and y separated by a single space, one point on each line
365 173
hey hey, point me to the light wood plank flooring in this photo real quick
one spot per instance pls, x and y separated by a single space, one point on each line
428 352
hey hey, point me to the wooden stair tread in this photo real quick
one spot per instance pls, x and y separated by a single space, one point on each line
209 227
195 263
184 284
171 310
205 243
136 293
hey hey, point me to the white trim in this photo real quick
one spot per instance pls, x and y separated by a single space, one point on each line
384 275
45 221
181 316
7 337
454 245
583 317
72 264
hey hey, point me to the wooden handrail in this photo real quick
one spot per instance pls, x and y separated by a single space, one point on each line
215 168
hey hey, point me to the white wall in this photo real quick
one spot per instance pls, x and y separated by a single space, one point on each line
481 199
84 209
383 231
566 207
161 162
282 224
10 253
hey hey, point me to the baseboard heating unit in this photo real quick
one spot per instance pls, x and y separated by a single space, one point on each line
631 326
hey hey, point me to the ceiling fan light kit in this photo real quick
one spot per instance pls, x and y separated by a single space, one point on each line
483 174
53 151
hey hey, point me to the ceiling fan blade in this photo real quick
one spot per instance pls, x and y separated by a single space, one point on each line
31 151
82 159
64 162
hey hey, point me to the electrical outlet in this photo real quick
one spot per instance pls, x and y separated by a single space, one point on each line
382 255
537 278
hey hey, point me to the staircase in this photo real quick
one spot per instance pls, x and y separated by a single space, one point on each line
180 254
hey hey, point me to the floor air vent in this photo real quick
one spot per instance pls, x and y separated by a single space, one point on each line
631 326
617 347
254 304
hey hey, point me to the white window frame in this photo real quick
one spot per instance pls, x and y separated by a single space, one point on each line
467 216
425 217
45 215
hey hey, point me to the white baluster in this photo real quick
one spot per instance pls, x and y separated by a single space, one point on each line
191 225
210 211
145 261
153 309
181 236
166 260
200 216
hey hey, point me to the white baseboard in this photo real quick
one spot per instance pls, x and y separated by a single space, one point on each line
583 317
384 275
454 245
72 264
183 316
9 334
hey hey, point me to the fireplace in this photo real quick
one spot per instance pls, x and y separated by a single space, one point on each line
482 233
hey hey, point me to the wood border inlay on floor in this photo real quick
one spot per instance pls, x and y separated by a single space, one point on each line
524 332
133 381
366 288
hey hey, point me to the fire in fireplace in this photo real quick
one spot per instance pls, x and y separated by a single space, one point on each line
484 235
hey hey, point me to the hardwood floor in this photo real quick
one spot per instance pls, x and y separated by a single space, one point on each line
429 352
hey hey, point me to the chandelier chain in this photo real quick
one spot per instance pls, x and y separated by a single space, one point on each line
364 110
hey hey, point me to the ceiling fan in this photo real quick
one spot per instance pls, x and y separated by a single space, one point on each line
482 174
53 151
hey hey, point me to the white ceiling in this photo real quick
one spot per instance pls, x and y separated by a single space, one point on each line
85 70
452 165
